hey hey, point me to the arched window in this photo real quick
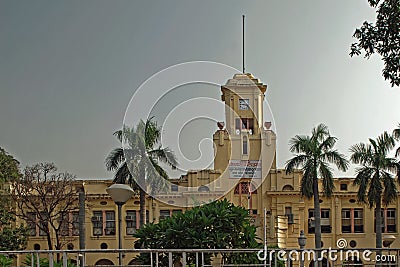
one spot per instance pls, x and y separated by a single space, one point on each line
354 262
288 187
104 262
325 263
135 262
245 146
203 188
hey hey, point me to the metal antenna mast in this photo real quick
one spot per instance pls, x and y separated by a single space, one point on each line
243 43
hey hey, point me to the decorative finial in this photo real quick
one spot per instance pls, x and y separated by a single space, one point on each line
267 125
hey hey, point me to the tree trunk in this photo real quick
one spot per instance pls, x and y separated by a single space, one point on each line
142 199
378 224
378 229
317 218
49 244
58 245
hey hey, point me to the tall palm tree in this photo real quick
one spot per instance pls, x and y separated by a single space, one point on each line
313 154
137 162
375 177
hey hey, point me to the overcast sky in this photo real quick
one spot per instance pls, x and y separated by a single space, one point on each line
68 70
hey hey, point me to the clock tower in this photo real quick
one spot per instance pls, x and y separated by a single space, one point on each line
245 149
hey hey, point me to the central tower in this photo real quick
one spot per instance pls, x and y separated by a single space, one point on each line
245 149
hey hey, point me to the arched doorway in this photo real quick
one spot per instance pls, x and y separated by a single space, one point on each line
104 262
134 262
353 262
325 263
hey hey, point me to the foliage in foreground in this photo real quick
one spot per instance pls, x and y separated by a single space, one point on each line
11 237
5 261
218 225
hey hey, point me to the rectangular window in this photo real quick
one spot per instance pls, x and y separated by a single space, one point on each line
388 221
352 221
325 221
244 149
110 223
358 221
69 224
288 210
243 189
343 187
325 214
165 214
311 221
244 124
31 223
346 221
174 188
64 224
97 221
131 219
75 223
289 215
42 224
391 221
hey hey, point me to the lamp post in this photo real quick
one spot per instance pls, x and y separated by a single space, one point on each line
302 239
387 241
120 194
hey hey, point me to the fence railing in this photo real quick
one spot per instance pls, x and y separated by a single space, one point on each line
388 257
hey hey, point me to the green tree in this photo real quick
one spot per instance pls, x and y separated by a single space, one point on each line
313 154
9 167
217 225
382 37
12 237
137 163
376 185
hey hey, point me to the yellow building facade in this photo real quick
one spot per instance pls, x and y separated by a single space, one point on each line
245 173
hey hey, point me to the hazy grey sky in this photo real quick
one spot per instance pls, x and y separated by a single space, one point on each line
69 68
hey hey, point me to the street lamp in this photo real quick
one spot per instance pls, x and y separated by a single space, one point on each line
302 239
120 194
388 240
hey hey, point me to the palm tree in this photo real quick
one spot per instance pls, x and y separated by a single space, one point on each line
137 163
375 176
313 154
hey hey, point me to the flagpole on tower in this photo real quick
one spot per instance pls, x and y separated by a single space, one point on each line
243 16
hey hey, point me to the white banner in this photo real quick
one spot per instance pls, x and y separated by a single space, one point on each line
244 169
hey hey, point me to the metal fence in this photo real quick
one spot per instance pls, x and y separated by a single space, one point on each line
209 257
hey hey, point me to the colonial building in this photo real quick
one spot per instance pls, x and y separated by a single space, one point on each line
245 173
